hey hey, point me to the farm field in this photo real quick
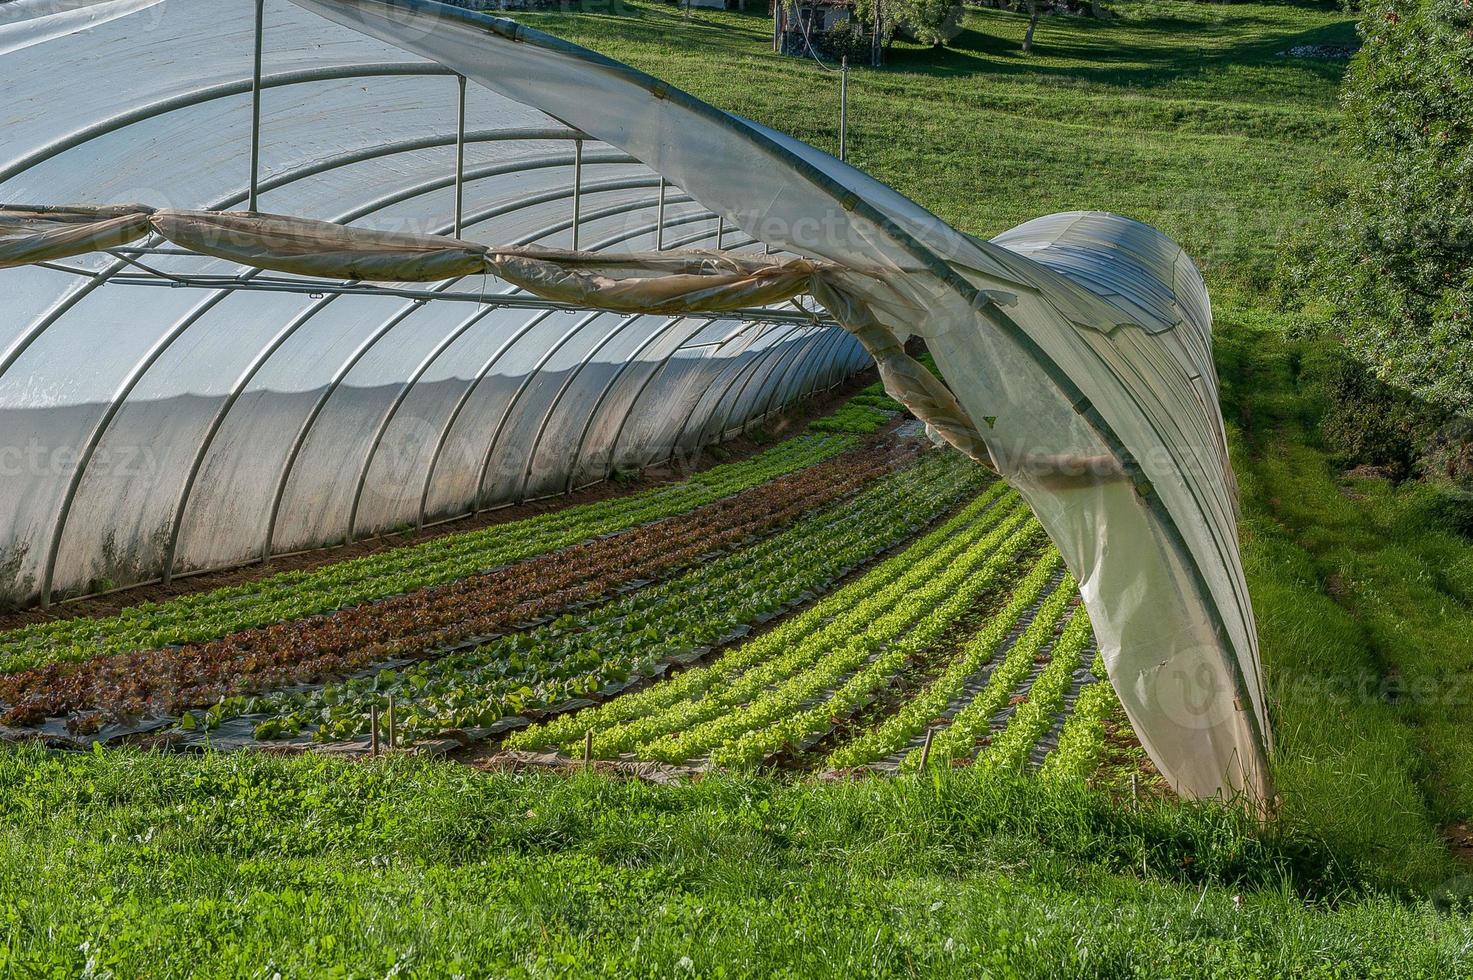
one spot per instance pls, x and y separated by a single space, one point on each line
474 635
758 657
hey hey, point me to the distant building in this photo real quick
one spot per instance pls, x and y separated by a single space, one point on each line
816 27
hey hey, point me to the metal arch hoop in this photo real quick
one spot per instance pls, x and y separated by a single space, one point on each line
604 394
757 363
791 385
638 396
743 375
740 363
838 361
409 386
776 397
211 93
557 399
263 357
460 405
317 410
658 334
425 364
761 393
470 391
821 376
526 383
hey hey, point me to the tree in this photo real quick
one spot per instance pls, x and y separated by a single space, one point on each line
932 22
1392 258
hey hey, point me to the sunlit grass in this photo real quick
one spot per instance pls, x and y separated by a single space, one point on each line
1181 114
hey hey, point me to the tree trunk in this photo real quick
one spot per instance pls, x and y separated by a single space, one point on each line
1032 23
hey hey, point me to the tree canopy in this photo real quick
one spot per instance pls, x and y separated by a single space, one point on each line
1394 258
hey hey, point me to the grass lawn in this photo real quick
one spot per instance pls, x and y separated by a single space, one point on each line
129 865
1365 607
1180 114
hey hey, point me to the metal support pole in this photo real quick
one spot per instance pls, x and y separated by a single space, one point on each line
843 105
256 110
460 158
577 188
660 219
878 43
720 231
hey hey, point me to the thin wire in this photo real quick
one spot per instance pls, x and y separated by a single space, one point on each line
148 269
808 43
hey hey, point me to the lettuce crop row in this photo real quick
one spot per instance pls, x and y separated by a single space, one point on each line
959 739
627 721
875 397
701 694
777 721
581 653
824 661
898 730
1031 719
859 419
291 595
166 681
1082 742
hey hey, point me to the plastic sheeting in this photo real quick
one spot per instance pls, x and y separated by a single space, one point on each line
147 431
1082 341
684 282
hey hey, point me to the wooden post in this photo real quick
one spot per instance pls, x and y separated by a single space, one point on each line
926 749
588 750
393 726
373 728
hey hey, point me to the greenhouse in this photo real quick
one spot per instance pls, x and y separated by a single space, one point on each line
288 274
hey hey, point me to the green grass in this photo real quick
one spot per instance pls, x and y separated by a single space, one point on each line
1180 114
247 866
1358 591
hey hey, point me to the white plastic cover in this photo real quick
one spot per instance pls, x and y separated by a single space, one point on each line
1081 342
148 430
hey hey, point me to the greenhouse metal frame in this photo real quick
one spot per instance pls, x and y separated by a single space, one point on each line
1078 345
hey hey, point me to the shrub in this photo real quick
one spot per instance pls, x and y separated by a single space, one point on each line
1369 423
1392 259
